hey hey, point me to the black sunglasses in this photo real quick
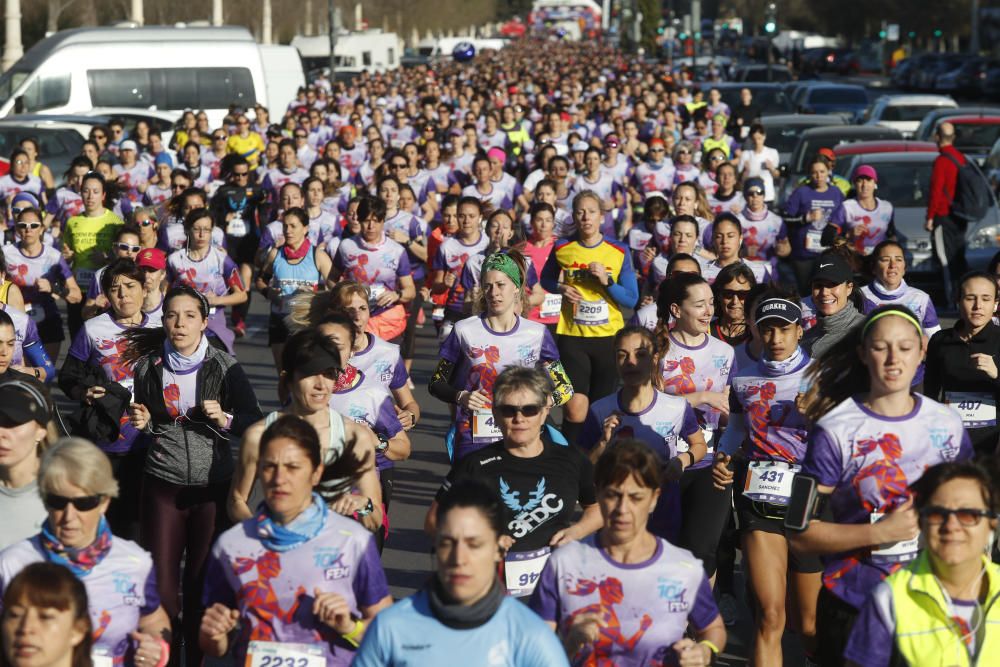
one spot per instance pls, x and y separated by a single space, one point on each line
740 294
967 516
509 411
755 193
81 503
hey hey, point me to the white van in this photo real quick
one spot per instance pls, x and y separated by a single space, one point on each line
369 51
161 67
283 74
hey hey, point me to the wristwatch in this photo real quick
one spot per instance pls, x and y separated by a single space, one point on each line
367 509
383 443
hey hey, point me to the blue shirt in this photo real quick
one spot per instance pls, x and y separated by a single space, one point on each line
407 633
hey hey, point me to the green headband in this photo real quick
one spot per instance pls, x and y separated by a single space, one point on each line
504 263
898 313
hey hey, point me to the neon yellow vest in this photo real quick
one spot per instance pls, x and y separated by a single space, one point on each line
925 634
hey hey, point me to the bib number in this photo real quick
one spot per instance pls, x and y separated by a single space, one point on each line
275 654
898 552
377 290
100 658
84 277
977 409
484 426
522 570
552 306
236 227
770 481
591 313
437 314
814 240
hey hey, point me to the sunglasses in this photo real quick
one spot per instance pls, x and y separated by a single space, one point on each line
178 187
81 503
398 165
28 225
219 137
240 174
717 158
509 411
684 152
740 294
656 150
755 193
128 247
967 516
146 223
301 136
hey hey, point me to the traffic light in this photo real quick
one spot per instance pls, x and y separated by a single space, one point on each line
937 33
881 34
771 20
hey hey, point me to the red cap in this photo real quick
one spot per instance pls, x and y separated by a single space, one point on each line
827 153
151 258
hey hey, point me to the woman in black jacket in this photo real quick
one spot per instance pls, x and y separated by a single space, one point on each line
962 363
95 376
194 401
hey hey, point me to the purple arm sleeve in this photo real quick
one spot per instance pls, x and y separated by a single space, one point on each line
690 424
545 599
549 351
438 263
151 594
704 610
370 585
965 451
591 431
404 268
450 348
217 588
81 347
824 460
399 375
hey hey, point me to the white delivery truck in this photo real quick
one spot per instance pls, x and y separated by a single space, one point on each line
167 68
283 74
355 52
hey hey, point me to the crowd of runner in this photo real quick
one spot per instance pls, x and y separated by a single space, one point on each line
583 232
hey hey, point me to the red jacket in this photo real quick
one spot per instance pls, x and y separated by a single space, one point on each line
943 179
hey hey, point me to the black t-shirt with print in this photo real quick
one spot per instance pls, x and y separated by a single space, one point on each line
539 494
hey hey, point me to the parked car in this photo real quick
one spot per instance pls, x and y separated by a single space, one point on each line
835 98
940 63
165 122
783 131
58 142
759 73
904 112
846 152
826 137
965 79
989 83
925 130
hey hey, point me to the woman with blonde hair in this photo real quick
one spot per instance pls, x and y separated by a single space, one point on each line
77 486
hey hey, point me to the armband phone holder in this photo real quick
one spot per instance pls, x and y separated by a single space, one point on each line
804 503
